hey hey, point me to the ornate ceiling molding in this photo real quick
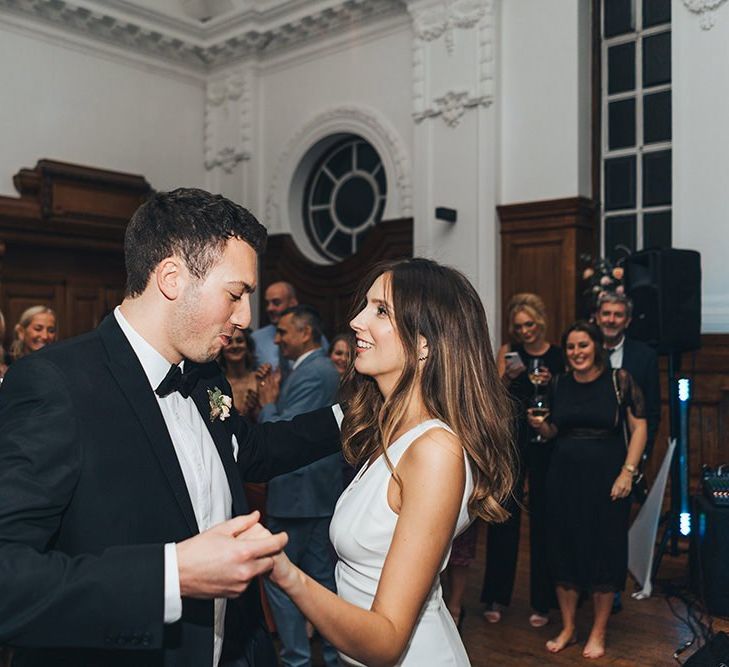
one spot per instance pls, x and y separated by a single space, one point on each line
198 49
705 9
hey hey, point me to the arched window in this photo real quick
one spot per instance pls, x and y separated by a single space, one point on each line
344 197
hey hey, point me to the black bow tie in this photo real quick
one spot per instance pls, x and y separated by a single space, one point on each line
178 380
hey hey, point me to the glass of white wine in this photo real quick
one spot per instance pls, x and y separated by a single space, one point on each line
538 409
538 373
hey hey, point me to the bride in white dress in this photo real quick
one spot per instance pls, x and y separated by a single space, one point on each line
427 419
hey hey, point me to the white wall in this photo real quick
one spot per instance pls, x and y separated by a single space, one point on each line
545 100
66 104
701 153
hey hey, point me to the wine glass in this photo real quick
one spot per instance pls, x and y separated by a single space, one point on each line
538 409
538 373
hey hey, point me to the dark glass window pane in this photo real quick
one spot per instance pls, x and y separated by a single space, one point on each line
657 178
367 159
322 189
620 183
341 162
340 245
355 202
656 12
618 17
619 231
621 124
322 224
657 59
621 68
657 117
381 180
657 230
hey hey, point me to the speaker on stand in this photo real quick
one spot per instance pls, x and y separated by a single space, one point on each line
665 288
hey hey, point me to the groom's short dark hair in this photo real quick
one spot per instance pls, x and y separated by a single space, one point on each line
190 223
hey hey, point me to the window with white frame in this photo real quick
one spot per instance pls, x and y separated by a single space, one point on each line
636 176
344 197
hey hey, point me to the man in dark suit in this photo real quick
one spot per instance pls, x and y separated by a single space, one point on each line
302 502
123 535
640 360
613 316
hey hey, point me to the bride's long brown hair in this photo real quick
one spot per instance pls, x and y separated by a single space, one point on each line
459 382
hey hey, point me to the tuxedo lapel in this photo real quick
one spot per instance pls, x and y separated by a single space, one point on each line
223 443
127 371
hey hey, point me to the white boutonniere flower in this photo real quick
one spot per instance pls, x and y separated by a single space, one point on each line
220 405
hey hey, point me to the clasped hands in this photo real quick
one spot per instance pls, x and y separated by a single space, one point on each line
269 383
222 561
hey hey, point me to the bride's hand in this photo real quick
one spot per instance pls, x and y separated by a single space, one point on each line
284 573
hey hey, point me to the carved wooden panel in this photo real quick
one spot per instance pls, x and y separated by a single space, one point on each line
330 288
63 242
540 247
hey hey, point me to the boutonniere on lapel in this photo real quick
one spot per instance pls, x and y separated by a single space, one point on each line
220 405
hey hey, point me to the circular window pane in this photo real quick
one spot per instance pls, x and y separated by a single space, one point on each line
344 198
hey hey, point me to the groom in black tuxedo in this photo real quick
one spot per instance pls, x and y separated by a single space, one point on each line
124 534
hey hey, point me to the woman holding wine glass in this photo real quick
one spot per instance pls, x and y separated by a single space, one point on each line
599 429
526 365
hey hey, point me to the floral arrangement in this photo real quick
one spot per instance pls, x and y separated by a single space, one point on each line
601 276
220 405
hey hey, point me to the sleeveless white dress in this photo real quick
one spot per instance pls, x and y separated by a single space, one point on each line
361 531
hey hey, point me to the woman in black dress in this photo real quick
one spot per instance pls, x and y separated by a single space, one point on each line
589 479
527 328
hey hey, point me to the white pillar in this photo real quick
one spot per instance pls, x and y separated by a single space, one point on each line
455 148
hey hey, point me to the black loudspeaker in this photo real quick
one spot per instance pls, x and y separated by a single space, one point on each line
709 555
665 287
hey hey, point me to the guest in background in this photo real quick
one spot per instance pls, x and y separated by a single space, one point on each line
278 296
527 318
35 329
341 352
599 429
301 503
238 362
613 316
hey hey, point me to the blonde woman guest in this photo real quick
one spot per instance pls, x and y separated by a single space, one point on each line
429 420
589 479
35 329
527 320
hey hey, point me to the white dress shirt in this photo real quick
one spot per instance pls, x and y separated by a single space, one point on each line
201 467
616 354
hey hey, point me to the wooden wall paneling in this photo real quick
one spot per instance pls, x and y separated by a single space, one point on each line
541 243
63 241
330 288
85 306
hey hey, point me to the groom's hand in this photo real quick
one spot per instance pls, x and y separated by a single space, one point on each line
222 561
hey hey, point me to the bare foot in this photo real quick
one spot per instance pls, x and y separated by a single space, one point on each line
564 639
595 647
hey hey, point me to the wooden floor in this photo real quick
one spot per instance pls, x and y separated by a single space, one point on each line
645 633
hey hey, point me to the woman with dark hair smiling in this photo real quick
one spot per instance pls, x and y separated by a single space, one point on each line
237 359
598 422
429 420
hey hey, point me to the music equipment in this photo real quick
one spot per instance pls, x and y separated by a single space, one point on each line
709 555
715 653
715 483
665 287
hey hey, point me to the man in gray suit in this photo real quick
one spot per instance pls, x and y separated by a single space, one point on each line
302 502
